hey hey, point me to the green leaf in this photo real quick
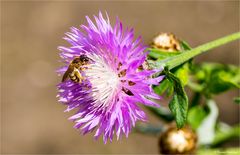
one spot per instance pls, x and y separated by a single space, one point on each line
216 78
206 131
179 110
231 76
185 46
179 103
170 89
167 86
182 73
197 87
161 54
162 87
195 116
222 80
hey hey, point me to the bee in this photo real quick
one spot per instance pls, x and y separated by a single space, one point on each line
73 71
166 41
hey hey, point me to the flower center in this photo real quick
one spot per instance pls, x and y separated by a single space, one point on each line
103 79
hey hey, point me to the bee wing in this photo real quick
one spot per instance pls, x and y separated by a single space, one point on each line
66 74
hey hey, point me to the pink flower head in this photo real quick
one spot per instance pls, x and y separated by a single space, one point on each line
113 86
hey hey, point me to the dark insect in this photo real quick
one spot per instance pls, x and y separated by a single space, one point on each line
73 71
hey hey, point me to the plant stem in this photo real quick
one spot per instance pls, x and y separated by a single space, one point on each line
177 60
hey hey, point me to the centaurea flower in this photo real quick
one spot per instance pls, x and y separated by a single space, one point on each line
114 80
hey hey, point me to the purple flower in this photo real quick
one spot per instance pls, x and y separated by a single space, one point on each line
113 84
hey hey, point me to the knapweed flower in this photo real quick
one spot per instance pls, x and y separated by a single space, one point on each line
112 83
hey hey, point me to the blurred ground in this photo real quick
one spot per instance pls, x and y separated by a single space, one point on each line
31 119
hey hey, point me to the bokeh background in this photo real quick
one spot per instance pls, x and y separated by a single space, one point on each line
31 119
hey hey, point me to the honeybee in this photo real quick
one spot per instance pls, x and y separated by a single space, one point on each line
73 71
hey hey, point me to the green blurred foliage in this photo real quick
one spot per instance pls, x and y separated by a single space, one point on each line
237 100
225 133
216 78
196 115
226 151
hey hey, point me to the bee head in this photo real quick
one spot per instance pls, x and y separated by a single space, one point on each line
84 59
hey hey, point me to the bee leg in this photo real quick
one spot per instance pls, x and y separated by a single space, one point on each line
78 76
83 69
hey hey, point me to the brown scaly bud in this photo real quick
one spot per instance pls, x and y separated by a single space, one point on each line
166 41
178 141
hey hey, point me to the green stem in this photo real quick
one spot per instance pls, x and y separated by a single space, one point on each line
196 99
177 60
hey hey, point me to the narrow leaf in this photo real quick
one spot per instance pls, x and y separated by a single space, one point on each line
161 54
185 45
179 103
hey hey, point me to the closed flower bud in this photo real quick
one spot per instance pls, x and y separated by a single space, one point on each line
178 141
166 41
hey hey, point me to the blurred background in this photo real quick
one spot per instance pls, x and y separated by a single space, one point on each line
32 121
